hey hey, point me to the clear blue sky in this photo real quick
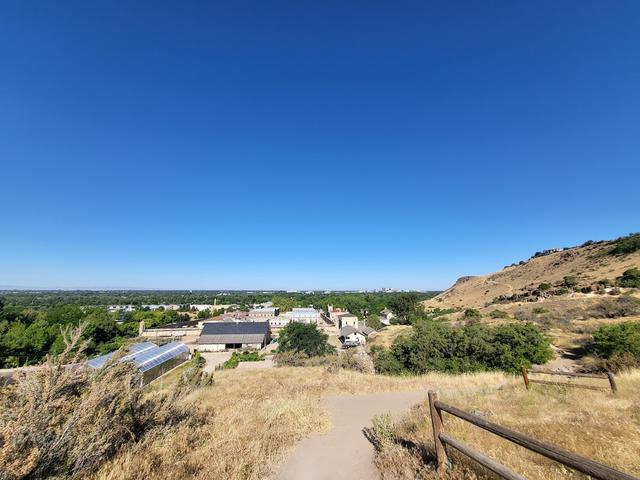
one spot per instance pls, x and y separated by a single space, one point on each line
311 144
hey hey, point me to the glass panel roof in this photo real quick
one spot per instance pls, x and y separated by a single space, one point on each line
134 348
148 359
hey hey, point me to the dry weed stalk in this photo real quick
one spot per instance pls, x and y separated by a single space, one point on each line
65 419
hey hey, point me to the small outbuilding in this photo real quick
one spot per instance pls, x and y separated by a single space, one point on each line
347 320
218 336
351 336
385 316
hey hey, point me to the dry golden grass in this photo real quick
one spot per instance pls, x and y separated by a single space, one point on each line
254 418
589 263
387 336
594 424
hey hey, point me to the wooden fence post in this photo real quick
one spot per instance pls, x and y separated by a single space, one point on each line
612 382
438 427
525 377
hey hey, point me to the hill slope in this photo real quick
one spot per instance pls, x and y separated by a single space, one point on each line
586 265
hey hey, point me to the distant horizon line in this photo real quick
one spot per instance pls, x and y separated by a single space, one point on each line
11 288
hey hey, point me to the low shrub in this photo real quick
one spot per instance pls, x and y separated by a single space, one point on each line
65 421
544 286
349 360
290 358
614 308
630 278
498 314
472 314
618 344
237 357
626 245
438 347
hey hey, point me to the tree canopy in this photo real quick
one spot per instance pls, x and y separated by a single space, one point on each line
306 338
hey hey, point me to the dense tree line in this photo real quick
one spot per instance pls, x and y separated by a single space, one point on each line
27 335
31 322
360 304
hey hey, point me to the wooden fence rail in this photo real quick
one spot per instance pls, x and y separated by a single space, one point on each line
607 376
569 459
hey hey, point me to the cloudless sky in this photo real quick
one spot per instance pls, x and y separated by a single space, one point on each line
311 144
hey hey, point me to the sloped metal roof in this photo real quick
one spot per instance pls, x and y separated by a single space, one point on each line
235 328
231 338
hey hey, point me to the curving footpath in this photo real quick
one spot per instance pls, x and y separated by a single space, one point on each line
344 453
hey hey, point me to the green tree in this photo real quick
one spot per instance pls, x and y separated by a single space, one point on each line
373 321
302 337
404 305
284 303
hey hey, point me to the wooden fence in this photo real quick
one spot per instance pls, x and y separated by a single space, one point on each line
569 459
608 376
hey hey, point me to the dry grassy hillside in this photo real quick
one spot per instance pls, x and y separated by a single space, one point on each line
251 420
589 264
597 425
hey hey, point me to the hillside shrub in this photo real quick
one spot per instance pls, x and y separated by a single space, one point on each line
618 344
570 281
348 360
614 308
630 278
544 286
237 357
626 245
498 314
290 358
439 347
472 314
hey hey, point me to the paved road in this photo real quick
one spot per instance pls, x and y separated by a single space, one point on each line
344 453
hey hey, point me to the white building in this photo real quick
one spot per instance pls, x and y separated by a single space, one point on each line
351 336
304 315
279 322
264 313
334 313
347 320
120 308
385 316
203 307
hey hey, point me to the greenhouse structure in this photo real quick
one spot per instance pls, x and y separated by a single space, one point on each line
152 360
